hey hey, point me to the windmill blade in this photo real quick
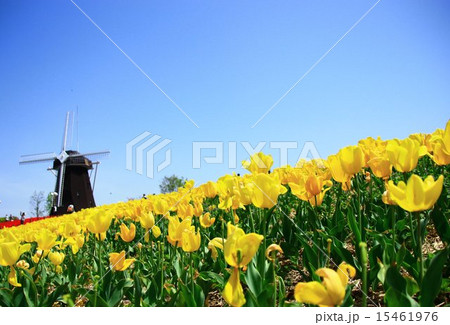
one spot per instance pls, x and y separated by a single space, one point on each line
36 158
67 137
96 154
62 171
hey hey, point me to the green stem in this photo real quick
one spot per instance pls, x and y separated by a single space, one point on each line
252 225
315 231
191 262
394 220
419 252
274 283
162 269
413 237
363 249
100 268
358 206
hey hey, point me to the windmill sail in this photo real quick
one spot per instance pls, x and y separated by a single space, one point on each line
28 159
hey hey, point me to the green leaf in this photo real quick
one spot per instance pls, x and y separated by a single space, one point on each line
137 290
441 223
396 293
29 289
187 298
394 298
351 219
281 291
401 255
395 280
348 300
253 279
433 279
199 296
5 297
265 299
115 297
96 301
411 286
212 277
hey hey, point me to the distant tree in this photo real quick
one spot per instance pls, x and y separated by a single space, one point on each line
36 200
49 204
171 183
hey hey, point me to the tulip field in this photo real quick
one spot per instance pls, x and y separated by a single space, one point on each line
368 226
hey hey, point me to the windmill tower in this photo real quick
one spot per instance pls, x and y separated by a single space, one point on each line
73 171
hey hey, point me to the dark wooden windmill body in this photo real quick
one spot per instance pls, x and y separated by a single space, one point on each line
73 171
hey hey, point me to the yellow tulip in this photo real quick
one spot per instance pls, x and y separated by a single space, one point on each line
229 192
70 229
239 250
160 206
56 258
45 239
190 240
198 207
10 252
215 243
440 155
372 148
404 154
416 195
156 231
176 229
118 261
265 190
147 220
206 221
338 173
98 222
441 151
314 184
233 292
75 243
351 159
12 278
330 292
209 189
259 163
381 167
240 247
127 234
273 248
311 190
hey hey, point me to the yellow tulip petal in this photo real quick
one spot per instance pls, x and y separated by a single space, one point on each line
345 272
433 190
415 193
249 245
313 293
127 263
332 282
272 248
12 278
156 231
233 292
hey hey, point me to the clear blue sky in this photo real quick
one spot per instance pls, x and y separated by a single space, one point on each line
224 64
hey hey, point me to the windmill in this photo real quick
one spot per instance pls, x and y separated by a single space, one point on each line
73 182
